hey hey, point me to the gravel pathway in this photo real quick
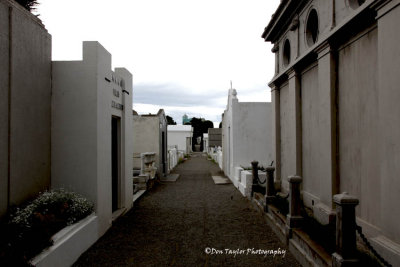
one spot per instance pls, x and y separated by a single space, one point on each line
176 223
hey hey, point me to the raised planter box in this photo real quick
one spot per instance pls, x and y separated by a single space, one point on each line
69 243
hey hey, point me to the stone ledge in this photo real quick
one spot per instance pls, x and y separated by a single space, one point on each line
302 244
305 250
275 220
323 214
138 194
389 250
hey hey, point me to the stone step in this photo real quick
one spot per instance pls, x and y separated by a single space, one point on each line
141 186
140 179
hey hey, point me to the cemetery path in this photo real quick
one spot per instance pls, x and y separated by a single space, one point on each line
175 223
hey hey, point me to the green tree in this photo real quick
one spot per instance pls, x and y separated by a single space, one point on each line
170 121
28 4
200 126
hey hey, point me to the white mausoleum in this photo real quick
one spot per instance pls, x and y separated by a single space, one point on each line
92 132
150 135
246 134
180 136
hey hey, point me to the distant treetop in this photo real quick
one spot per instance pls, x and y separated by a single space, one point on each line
28 4
170 121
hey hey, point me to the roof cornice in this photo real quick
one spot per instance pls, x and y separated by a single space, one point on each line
282 18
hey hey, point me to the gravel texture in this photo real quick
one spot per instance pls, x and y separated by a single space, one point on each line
175 223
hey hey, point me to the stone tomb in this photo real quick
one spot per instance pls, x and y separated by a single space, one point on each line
92 131
150 135
246 134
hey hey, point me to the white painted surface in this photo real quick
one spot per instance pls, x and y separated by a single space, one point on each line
247 134
238 171
177 135
246 182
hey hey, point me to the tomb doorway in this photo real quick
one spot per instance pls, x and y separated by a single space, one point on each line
115 161
163 152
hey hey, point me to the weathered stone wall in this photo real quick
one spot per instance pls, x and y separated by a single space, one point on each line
336 121
311 134
147 137
215 137
287 138
358 112
389 122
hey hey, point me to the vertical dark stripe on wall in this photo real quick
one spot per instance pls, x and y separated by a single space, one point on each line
333 14
337 123
10 10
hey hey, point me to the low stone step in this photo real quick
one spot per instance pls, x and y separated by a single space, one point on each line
141 186
140 179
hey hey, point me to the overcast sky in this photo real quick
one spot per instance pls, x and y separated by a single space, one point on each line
182 53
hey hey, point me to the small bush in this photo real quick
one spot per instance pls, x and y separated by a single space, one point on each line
30 228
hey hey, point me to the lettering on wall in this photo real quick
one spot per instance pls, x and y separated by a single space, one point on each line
117 105
116 92
118 81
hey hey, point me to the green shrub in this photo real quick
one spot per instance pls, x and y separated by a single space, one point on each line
30 228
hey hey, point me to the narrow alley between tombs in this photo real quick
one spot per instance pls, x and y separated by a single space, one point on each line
190 222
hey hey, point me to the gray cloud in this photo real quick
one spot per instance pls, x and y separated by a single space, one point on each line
174 95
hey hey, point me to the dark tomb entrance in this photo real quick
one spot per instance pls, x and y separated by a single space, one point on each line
163 152
115 161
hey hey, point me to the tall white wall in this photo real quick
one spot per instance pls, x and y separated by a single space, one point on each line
247 134
25 95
